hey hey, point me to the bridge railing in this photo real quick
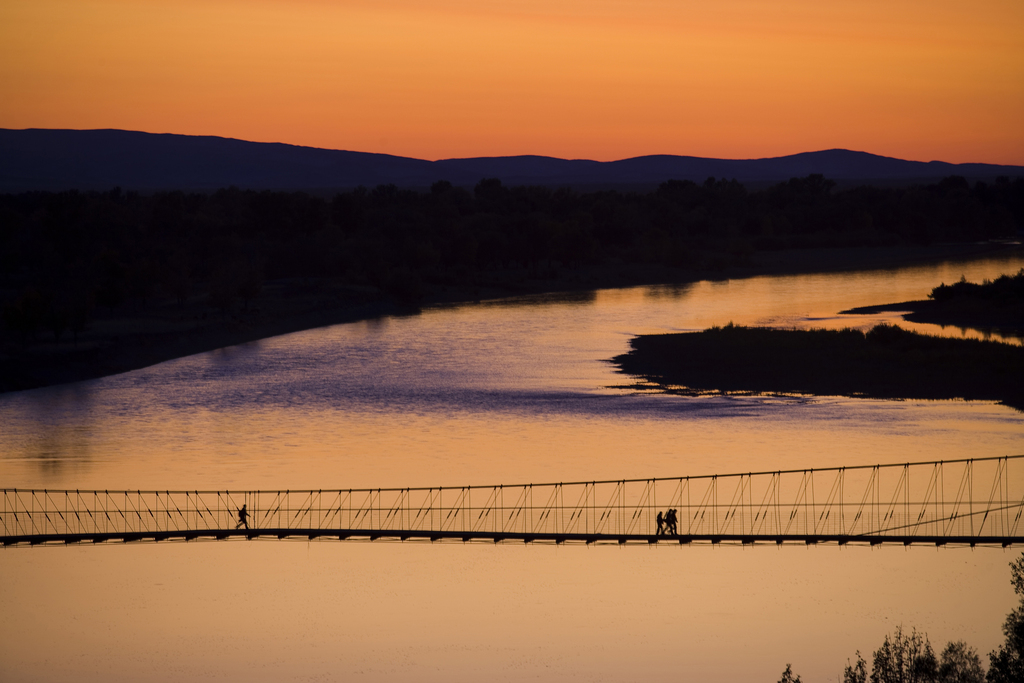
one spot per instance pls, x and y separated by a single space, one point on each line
957 500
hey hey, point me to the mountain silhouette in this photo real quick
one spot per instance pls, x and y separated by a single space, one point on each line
44 159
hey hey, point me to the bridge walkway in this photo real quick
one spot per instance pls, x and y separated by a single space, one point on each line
963 502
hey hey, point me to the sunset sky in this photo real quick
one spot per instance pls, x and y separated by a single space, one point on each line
599 79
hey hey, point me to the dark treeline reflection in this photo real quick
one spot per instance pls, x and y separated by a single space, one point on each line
65 255
909 658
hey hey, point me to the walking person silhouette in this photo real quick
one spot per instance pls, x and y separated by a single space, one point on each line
672 522
660 519
243 517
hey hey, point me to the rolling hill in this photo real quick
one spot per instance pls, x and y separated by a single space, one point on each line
42 159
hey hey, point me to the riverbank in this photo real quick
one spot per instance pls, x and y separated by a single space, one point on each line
887 362
995 306
130 338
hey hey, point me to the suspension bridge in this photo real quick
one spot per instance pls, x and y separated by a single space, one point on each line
975 502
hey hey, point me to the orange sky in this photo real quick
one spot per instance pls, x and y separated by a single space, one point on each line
600 79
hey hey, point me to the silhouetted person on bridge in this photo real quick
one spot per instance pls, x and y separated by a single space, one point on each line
243 518
660 519
672 522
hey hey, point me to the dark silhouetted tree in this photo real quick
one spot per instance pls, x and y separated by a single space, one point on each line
1006 664
910 659
856 672
788 676
904 659
959 663
490 191
440 187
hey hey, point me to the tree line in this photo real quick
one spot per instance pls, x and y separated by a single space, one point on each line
1006 288
66 255
909 658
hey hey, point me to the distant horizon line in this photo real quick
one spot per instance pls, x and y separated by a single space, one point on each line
515 156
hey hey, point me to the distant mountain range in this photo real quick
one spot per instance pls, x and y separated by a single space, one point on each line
40 159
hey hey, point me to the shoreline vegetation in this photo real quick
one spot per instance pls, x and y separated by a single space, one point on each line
887 362
909 658
996 306
99 283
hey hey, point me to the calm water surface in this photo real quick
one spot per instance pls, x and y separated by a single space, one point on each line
509 391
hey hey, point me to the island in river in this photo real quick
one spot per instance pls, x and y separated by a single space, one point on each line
886 362
996 306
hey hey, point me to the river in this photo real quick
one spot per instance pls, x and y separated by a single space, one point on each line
510 391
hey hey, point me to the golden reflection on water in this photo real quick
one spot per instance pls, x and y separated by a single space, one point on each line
275 611
324 449
502 392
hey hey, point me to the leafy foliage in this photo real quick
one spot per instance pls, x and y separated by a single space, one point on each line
959 663
788 676
909 658
904 659
1006 663
856 672
1005 288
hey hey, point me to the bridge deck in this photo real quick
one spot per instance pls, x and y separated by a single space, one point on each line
501 537
964 502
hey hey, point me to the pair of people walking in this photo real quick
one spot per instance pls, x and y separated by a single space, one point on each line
668 523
